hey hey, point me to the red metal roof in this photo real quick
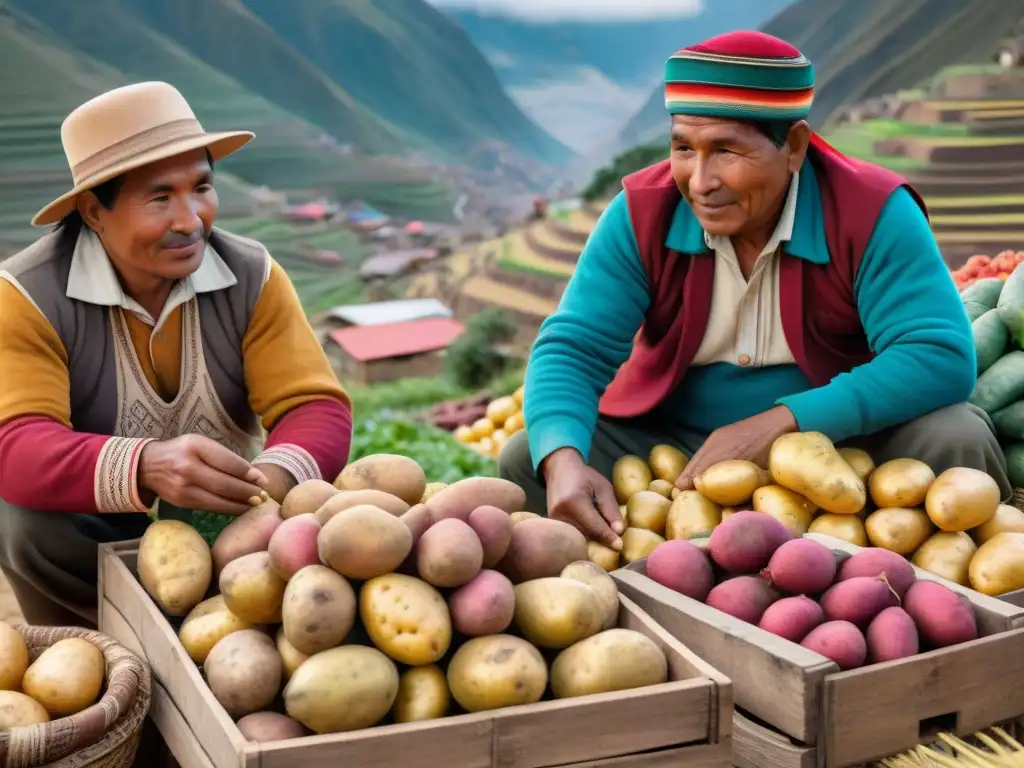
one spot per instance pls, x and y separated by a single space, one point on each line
376 342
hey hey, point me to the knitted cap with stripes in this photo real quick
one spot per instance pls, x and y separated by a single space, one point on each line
742 75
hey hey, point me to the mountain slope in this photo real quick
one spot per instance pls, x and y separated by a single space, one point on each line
411 65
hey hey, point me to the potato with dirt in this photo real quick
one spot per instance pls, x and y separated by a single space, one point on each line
613 660
406 618
175 566
541 547
252 590
319 609
246 534
398 475
462 497
244 672
449 554
496 671
206 625
67 677
364 542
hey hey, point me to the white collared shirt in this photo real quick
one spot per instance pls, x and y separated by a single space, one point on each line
92 279
745 324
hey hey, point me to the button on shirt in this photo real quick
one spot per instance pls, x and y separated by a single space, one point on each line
745 325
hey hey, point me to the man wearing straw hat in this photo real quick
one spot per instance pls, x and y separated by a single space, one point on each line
757 282
141 350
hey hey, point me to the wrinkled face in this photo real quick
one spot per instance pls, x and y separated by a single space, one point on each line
160 220
732 175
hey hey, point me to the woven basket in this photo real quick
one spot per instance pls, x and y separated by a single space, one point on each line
1018 498
105 735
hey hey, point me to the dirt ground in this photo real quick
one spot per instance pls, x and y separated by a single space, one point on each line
8 605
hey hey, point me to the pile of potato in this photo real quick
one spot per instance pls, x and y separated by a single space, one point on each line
868 608
65 679
953 525
383 599
503 418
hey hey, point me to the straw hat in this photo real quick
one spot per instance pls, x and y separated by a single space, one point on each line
127 128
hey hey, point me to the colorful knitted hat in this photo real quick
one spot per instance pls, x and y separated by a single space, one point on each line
744 75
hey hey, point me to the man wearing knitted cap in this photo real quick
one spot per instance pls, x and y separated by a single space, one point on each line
756 283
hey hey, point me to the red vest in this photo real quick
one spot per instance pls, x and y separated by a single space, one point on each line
819 308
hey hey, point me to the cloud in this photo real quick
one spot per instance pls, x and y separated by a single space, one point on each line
581 10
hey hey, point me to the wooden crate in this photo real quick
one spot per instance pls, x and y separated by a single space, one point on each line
834 718
685 721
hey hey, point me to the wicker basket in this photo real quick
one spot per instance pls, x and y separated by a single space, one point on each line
106 735
1018 498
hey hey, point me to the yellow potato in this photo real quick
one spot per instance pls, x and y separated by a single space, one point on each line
500 409
481 428
898 530
728 511
860 460
496 671
606 557
948 554
291 657
422 694
630 474
463 434
692 514
67 677
661 487
244 672
594 576
789 508
998 565
647 510
406 618
306 498
398 475
808 463
555 613
613 660
13 658
206 625
175 566
363 542
318 610
731 482
18 710
430 490
514 423
667 463
519 395
1007 519
343 689
638 543
961 499
846 527
900 483
518 517
252 590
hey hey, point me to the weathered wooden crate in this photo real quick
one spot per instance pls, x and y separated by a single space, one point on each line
805 712
683 722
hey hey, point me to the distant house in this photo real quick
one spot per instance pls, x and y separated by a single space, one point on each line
394 263
384 312
318 211
372 353
366 218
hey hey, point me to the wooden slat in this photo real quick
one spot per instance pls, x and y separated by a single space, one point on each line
754 746
698 756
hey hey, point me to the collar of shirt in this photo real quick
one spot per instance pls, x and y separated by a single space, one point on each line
92 279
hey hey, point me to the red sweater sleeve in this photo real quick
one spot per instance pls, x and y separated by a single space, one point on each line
311 441
46 466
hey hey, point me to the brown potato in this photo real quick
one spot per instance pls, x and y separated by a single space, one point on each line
246 534
948 554
175 566
613 660
667 463
606 557
962 498
206 625
496 671
998 565
461 498
808 463
291 657
638 544
692 514
67 677
1007 519
630 474
270 726
556 612
318 610
348 499
789 508
244 672
648 510
846 527
449 554
731 482
363 542
307 497
18 710
422 695
594 576
541 547
900 483
398 475
860 460
13 658
406 618
252 590
898 530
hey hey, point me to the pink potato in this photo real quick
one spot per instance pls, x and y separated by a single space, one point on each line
942 616
858 600
839 641
892 635
746 541
293 545
541 547
801 567
744 597
792 617
484 606
270 726
493 527
682 566
418 519
449 554
875 561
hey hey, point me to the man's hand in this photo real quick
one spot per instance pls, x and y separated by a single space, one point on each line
194 472
581 496
750 439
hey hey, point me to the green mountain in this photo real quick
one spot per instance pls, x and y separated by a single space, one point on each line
863 49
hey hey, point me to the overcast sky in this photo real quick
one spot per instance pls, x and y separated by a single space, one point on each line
582 10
